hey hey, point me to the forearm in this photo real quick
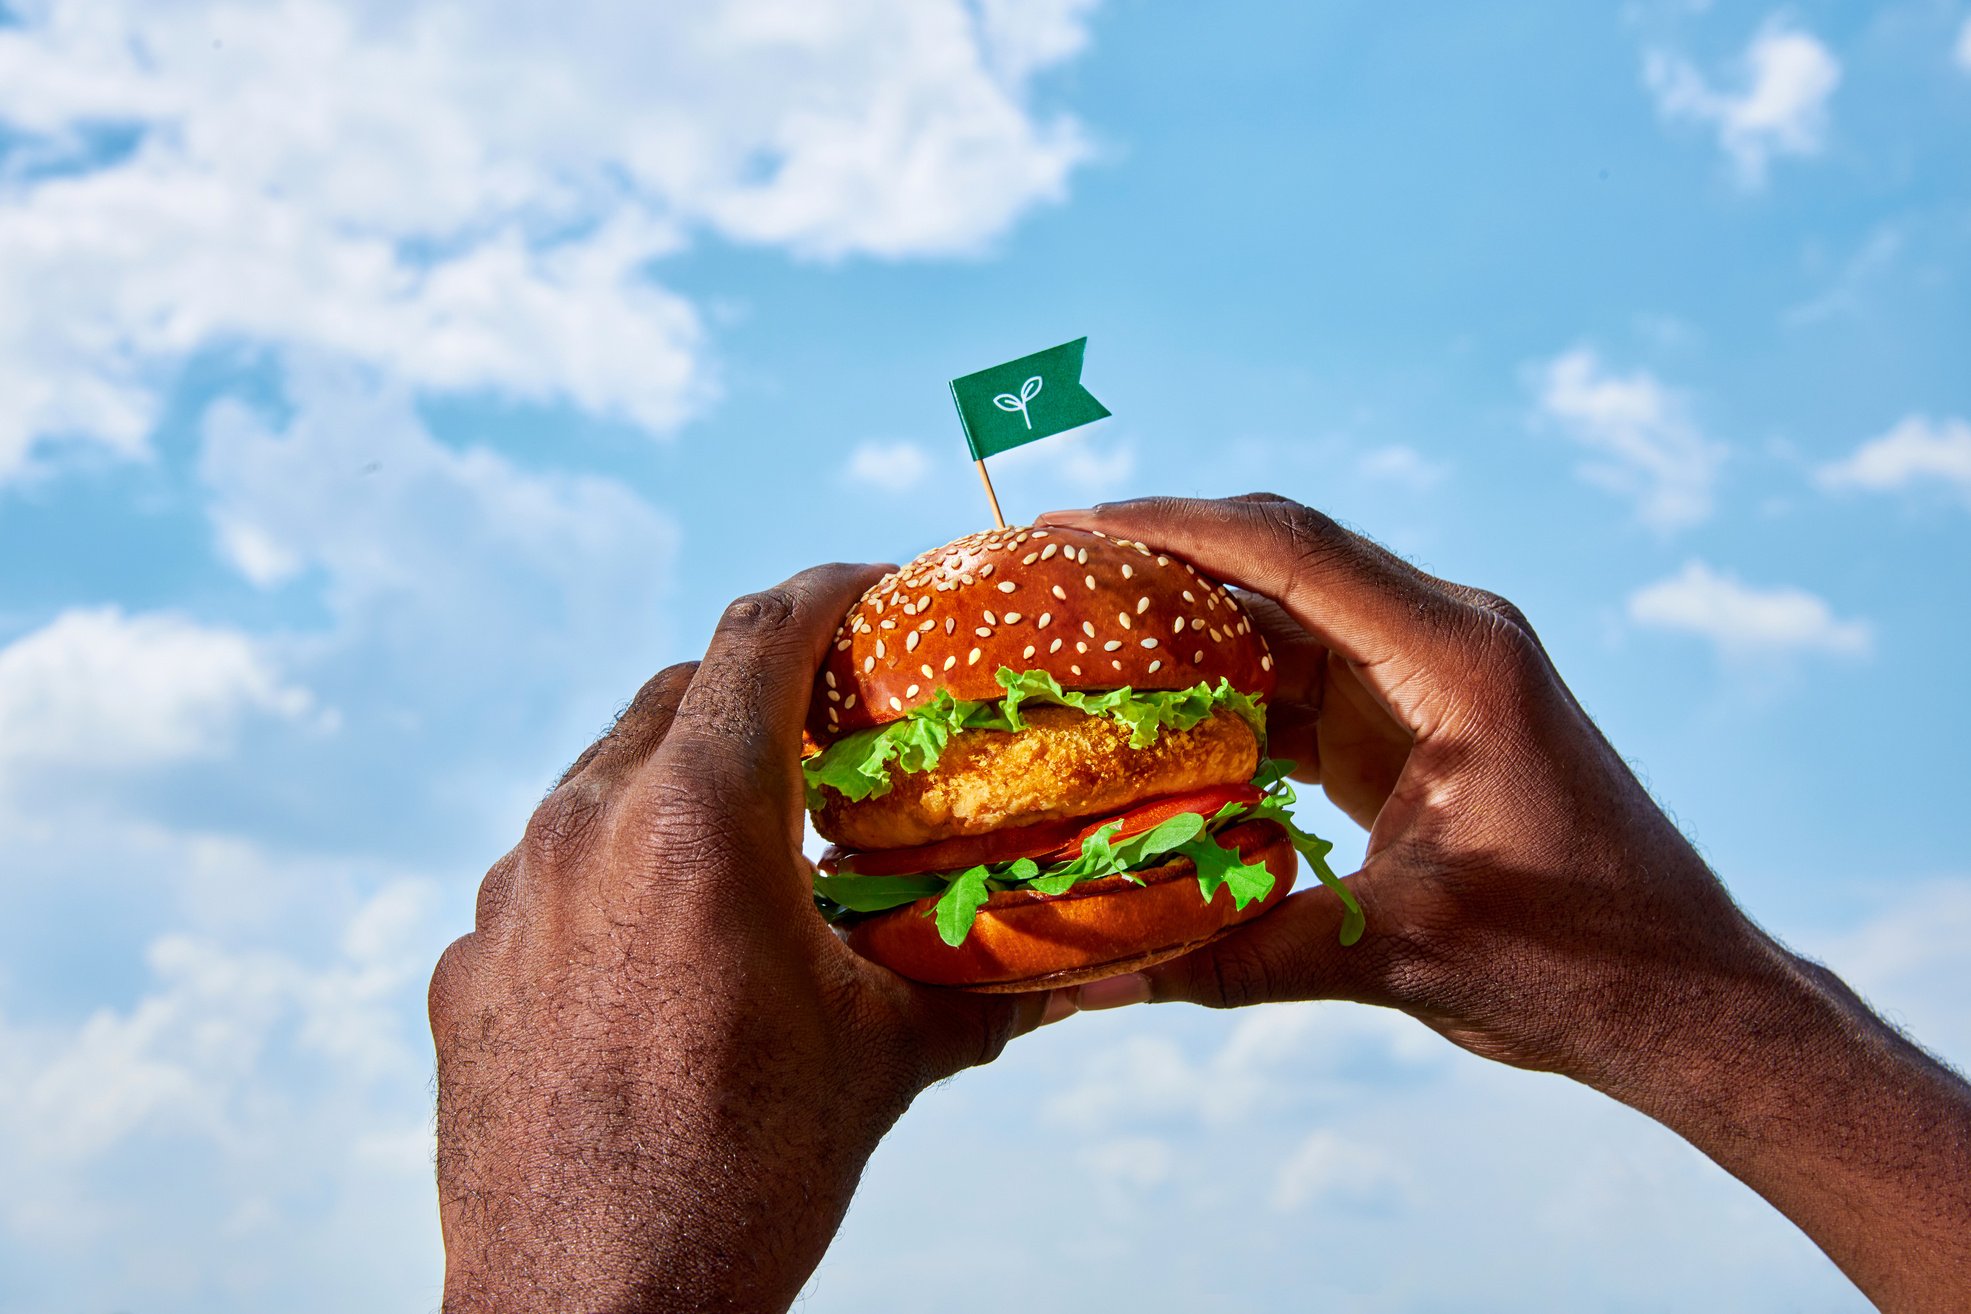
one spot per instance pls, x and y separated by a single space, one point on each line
1796 1088
643 1215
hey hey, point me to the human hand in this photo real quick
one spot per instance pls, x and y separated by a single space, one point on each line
1524 895
659 1072
1527 899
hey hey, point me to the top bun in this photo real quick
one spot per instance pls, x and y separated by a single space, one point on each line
1092 611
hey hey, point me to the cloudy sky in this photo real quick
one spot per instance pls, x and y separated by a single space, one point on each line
386 389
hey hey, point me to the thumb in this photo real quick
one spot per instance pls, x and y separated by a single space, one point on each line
1292 953
952 1030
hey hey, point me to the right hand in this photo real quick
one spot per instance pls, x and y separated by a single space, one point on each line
1525 896
1528 900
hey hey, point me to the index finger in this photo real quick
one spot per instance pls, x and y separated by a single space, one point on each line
737 730
1401 628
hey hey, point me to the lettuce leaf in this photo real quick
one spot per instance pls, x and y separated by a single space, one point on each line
1188 835
860 765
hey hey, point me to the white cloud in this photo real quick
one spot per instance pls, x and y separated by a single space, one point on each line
468 196
1646 445
216 1139
1327 1166
1916 453
892 467
98 688
1403 466
1742 620
1779 108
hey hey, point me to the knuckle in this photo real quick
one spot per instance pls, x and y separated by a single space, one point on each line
565 824
450 980
766 610
1238 976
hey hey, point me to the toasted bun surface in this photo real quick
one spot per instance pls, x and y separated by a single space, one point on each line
1092 611
1023 940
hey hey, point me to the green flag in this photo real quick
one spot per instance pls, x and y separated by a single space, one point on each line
1033 397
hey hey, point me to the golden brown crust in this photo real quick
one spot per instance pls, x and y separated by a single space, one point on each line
1065 765
1092 611
1023 940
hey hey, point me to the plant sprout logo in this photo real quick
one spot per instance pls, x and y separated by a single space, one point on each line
1006 401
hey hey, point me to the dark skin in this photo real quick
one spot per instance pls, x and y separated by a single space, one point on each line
660 1075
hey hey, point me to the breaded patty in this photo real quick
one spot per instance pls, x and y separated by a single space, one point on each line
1065 764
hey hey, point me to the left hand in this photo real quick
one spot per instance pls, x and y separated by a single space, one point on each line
659 1072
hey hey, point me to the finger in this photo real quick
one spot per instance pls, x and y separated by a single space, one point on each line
639 728
737 730
1294 952
954 1029
1399 626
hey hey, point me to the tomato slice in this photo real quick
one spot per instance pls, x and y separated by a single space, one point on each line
1050 841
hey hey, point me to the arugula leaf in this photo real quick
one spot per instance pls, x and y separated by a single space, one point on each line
860 765
960 904
1219 866
868 894
1315 849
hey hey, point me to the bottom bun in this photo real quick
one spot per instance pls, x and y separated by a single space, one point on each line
1023 940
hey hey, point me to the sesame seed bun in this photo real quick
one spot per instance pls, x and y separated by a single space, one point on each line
1092 611
1023 940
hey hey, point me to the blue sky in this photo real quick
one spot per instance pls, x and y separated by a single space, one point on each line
390 388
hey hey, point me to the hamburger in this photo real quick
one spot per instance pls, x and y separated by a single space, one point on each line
1039 756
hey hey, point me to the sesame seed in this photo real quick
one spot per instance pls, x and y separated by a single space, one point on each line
1012 618
924 602
1190 596
1059 592
929 674
1054 646
1163 561
910 641
1088 628
1112 645
1089 580
1155 667
896 705
985 571
889 622
910 609
834 696
1142 605
1040 533
1075 669
1149 643
843 646
1007 586
832 718
991 619
1048 551
879 647
1046 618
1123 616
1177 626
848 702
951 625
1128 571
1079 646
1028 652
972 658
1029 558
927 627
950 662
1197 657
1084 556
1216 637
966 580
911 692
868 665
984 632
1265 663
829 676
